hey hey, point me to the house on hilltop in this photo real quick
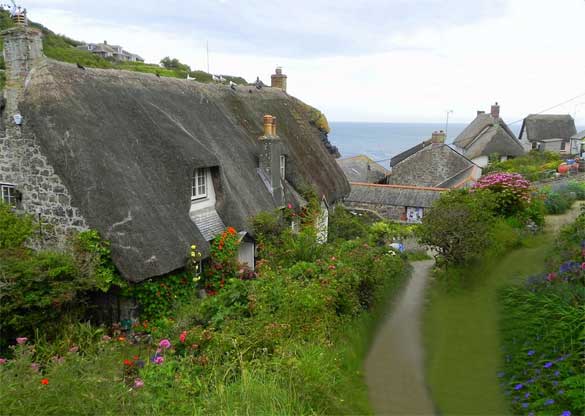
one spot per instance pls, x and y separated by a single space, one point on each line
488 136
432 163
154 164
550 132
361 168
106 51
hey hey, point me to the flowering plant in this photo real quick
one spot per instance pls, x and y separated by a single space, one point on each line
224 264
511 190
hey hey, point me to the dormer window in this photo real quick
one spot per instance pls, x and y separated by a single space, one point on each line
282 166
8 193
199 184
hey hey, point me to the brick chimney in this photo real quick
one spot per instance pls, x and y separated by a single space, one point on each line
269 160
495 111
278 79
438 137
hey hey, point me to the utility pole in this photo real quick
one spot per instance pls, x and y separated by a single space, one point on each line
207 49
447 123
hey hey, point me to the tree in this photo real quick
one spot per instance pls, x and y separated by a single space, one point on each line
174 64
459 225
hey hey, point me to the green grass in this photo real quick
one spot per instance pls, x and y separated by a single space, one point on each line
462 338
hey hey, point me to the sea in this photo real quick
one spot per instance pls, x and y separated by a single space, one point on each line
382 141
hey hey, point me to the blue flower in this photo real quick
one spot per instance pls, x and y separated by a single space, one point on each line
566 413
549 402
555 383
557 373
518 386
524 405
561 391
527 395
531 352
548 365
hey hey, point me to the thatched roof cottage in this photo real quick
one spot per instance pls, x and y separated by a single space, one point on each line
154 164
550 132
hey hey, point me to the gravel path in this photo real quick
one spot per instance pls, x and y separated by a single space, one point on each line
394 367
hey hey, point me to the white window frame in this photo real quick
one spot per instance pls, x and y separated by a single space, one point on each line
199 185
8 194
282 167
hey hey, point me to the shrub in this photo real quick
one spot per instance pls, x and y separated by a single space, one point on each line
343 225
511 191
15 229
458 225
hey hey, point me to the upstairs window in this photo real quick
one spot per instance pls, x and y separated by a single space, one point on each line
199 184
8 194
282 166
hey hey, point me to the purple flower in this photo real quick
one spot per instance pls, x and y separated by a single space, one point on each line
566 413
165 343
561 391
159 360
524 405
531 352
549 402
557 373
548 365
555 383
518 386
527 395
138 383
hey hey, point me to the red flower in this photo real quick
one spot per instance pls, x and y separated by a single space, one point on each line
183 336
231 230
45 381
128 362
135 358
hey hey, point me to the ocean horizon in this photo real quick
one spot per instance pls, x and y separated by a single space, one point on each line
382 141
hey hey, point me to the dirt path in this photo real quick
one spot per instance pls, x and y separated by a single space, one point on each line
555 222
394 367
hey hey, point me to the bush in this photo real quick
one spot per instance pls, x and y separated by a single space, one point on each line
15 229
343 225
534 165
511 192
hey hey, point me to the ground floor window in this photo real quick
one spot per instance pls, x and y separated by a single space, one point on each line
414 214
8 194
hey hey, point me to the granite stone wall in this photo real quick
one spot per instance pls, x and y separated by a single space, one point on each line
22 163
392 212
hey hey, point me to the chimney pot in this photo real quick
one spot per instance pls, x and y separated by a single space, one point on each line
267 125
495 111
273 126
438 137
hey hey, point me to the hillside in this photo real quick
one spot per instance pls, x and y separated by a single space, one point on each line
62 48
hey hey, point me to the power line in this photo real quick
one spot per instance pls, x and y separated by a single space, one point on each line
550 108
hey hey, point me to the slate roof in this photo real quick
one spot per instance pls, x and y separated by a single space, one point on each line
361 168
485 136
407 153
431 165
126 143
548 126
396 195
209 222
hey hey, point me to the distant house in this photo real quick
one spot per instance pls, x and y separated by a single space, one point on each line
432 163
579 139
361 168
396 202
550 132
488 136
106 51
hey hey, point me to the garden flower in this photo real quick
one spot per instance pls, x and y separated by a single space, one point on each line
531 352
21 340
183 336
106 338
45 381
3 361
524 405
165 343
74 349
138 383
549 402
557 373
548 365
566 413
159 359
35 367
527 395
140 363
128 362
518 386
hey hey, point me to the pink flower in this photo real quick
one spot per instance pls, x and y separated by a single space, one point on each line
74 349
35 367
21 340
159 359
138 383
289 206
3 361
183 336
106 338
165 343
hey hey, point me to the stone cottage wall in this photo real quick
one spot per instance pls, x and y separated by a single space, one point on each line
21 161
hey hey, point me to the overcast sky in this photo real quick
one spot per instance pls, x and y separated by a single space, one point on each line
365 60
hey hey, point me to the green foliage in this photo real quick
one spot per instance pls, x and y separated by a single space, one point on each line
385 232
562 199
224 260
174 64
534 165
15 229
344 225
459 225
158 298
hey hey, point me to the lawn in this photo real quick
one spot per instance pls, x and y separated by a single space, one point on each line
461 333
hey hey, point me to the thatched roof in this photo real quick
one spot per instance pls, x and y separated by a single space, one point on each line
485 136
126 144
548 126
361 168
396 195
430 165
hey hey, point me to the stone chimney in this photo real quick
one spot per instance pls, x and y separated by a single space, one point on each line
23 47
269 160
495 111
278 79
438 137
